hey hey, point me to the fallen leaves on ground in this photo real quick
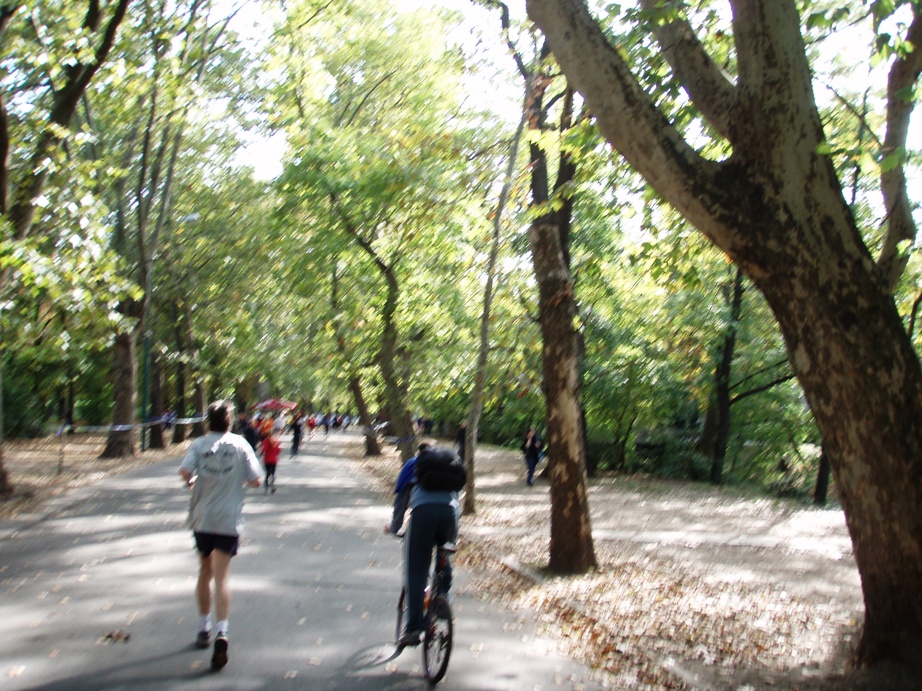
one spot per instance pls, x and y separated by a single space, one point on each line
646 617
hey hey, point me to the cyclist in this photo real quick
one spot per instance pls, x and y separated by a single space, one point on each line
433 521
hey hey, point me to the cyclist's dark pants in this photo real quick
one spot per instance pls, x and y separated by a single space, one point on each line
430 525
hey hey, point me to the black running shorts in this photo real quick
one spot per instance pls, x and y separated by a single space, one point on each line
206 543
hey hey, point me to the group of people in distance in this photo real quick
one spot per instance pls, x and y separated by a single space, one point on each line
218 468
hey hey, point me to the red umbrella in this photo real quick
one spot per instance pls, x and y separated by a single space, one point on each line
276 404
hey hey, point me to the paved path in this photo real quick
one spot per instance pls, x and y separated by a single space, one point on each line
98 594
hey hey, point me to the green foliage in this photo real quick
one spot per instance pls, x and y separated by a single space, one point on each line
392 162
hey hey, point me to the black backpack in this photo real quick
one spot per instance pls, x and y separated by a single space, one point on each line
440 470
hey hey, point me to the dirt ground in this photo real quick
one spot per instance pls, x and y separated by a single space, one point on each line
696 587
43 468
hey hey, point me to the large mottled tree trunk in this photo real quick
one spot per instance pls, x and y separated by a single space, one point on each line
777 209
864 384
124 379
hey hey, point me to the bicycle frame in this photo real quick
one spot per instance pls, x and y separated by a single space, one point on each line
437 618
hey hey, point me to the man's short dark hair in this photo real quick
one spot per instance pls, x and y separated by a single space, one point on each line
219 416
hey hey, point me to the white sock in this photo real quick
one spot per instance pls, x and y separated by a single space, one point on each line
223 626
205 623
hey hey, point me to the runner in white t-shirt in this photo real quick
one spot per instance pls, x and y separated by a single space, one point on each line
218 467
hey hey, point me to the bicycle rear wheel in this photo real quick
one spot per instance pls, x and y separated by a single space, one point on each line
437 641
401 614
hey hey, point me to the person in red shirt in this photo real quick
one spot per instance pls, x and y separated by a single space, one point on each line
271 447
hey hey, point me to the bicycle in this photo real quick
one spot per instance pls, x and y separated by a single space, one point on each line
438 625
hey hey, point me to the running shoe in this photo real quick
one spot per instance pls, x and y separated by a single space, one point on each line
219 657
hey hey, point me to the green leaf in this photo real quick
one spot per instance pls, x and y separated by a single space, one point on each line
894 160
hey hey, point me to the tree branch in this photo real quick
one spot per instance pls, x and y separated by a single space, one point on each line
504 23
755 374
4 154
708 86
70 95
629 119
22 211
913 313
7 10
904 74
773 67
759 389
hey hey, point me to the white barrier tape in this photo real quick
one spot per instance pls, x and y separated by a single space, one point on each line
84 429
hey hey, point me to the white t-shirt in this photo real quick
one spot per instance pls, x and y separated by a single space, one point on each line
221 463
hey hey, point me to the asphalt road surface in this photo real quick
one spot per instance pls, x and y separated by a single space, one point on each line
96 592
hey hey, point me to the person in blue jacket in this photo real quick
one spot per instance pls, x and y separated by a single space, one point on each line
433 521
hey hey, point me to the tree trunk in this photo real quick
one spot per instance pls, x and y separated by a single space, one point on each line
471 430
776 208
716 433
864 384
124 380
17 199
822 480
469 506
180 408
198 428
391 363
6 487
372 448
393 358
571 548
179 430
155 431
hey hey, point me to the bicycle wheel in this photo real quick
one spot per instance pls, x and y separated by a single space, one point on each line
437 641
401 614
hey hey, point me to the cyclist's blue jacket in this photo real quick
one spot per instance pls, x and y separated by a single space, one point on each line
408 494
